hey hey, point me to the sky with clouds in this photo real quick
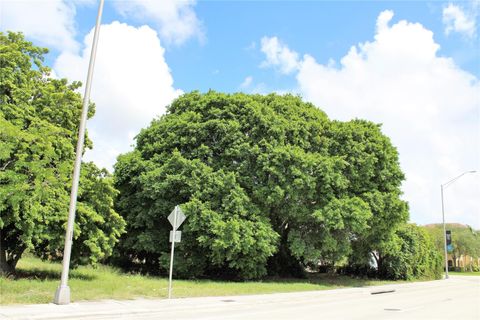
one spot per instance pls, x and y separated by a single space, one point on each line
412 66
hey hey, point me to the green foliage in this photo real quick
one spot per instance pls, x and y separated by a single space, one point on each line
465 240
268 183
38 131
223 229
97 225
375 177
412 255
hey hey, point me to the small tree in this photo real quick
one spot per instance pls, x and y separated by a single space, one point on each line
38 131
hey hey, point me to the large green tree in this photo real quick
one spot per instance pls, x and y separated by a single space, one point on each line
267 182
39 119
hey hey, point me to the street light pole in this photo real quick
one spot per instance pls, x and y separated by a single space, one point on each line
442 187
444 235
62 295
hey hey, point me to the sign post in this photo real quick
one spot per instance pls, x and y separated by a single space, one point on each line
176 218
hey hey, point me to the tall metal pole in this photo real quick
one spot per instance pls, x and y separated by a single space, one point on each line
172 252
442 186
62 295
444 235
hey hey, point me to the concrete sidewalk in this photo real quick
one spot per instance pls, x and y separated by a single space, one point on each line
443 299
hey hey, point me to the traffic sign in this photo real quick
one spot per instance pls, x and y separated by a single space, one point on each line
178 236
448 234
176 218
179 220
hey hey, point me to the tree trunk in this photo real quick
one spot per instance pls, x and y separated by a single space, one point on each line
454 262
377 258
282 263
8 260
6 268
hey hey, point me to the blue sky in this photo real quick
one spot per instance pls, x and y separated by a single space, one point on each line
413 66
324 29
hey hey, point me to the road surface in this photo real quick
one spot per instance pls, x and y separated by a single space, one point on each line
455 298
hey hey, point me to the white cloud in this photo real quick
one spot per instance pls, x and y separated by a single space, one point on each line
383 20
132 82
278 55
457 20
52 22
84 2
428 106
131 85
247 82
176 20
49 22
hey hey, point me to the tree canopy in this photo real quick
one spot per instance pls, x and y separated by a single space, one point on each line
39 119
269 184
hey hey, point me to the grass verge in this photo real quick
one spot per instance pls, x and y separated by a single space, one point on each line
37 281
466 273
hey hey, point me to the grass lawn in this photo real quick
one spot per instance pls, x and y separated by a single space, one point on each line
467 273
37 281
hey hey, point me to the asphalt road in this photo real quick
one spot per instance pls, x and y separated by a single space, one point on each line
455 298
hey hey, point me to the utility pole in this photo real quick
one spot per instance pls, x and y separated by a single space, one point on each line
444 235
442 187
62 295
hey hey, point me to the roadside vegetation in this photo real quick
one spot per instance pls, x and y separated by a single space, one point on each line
465 248
271 187
465 273
37 280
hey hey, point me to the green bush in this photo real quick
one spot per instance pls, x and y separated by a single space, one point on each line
412 256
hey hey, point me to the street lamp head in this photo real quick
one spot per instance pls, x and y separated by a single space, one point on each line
446 184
